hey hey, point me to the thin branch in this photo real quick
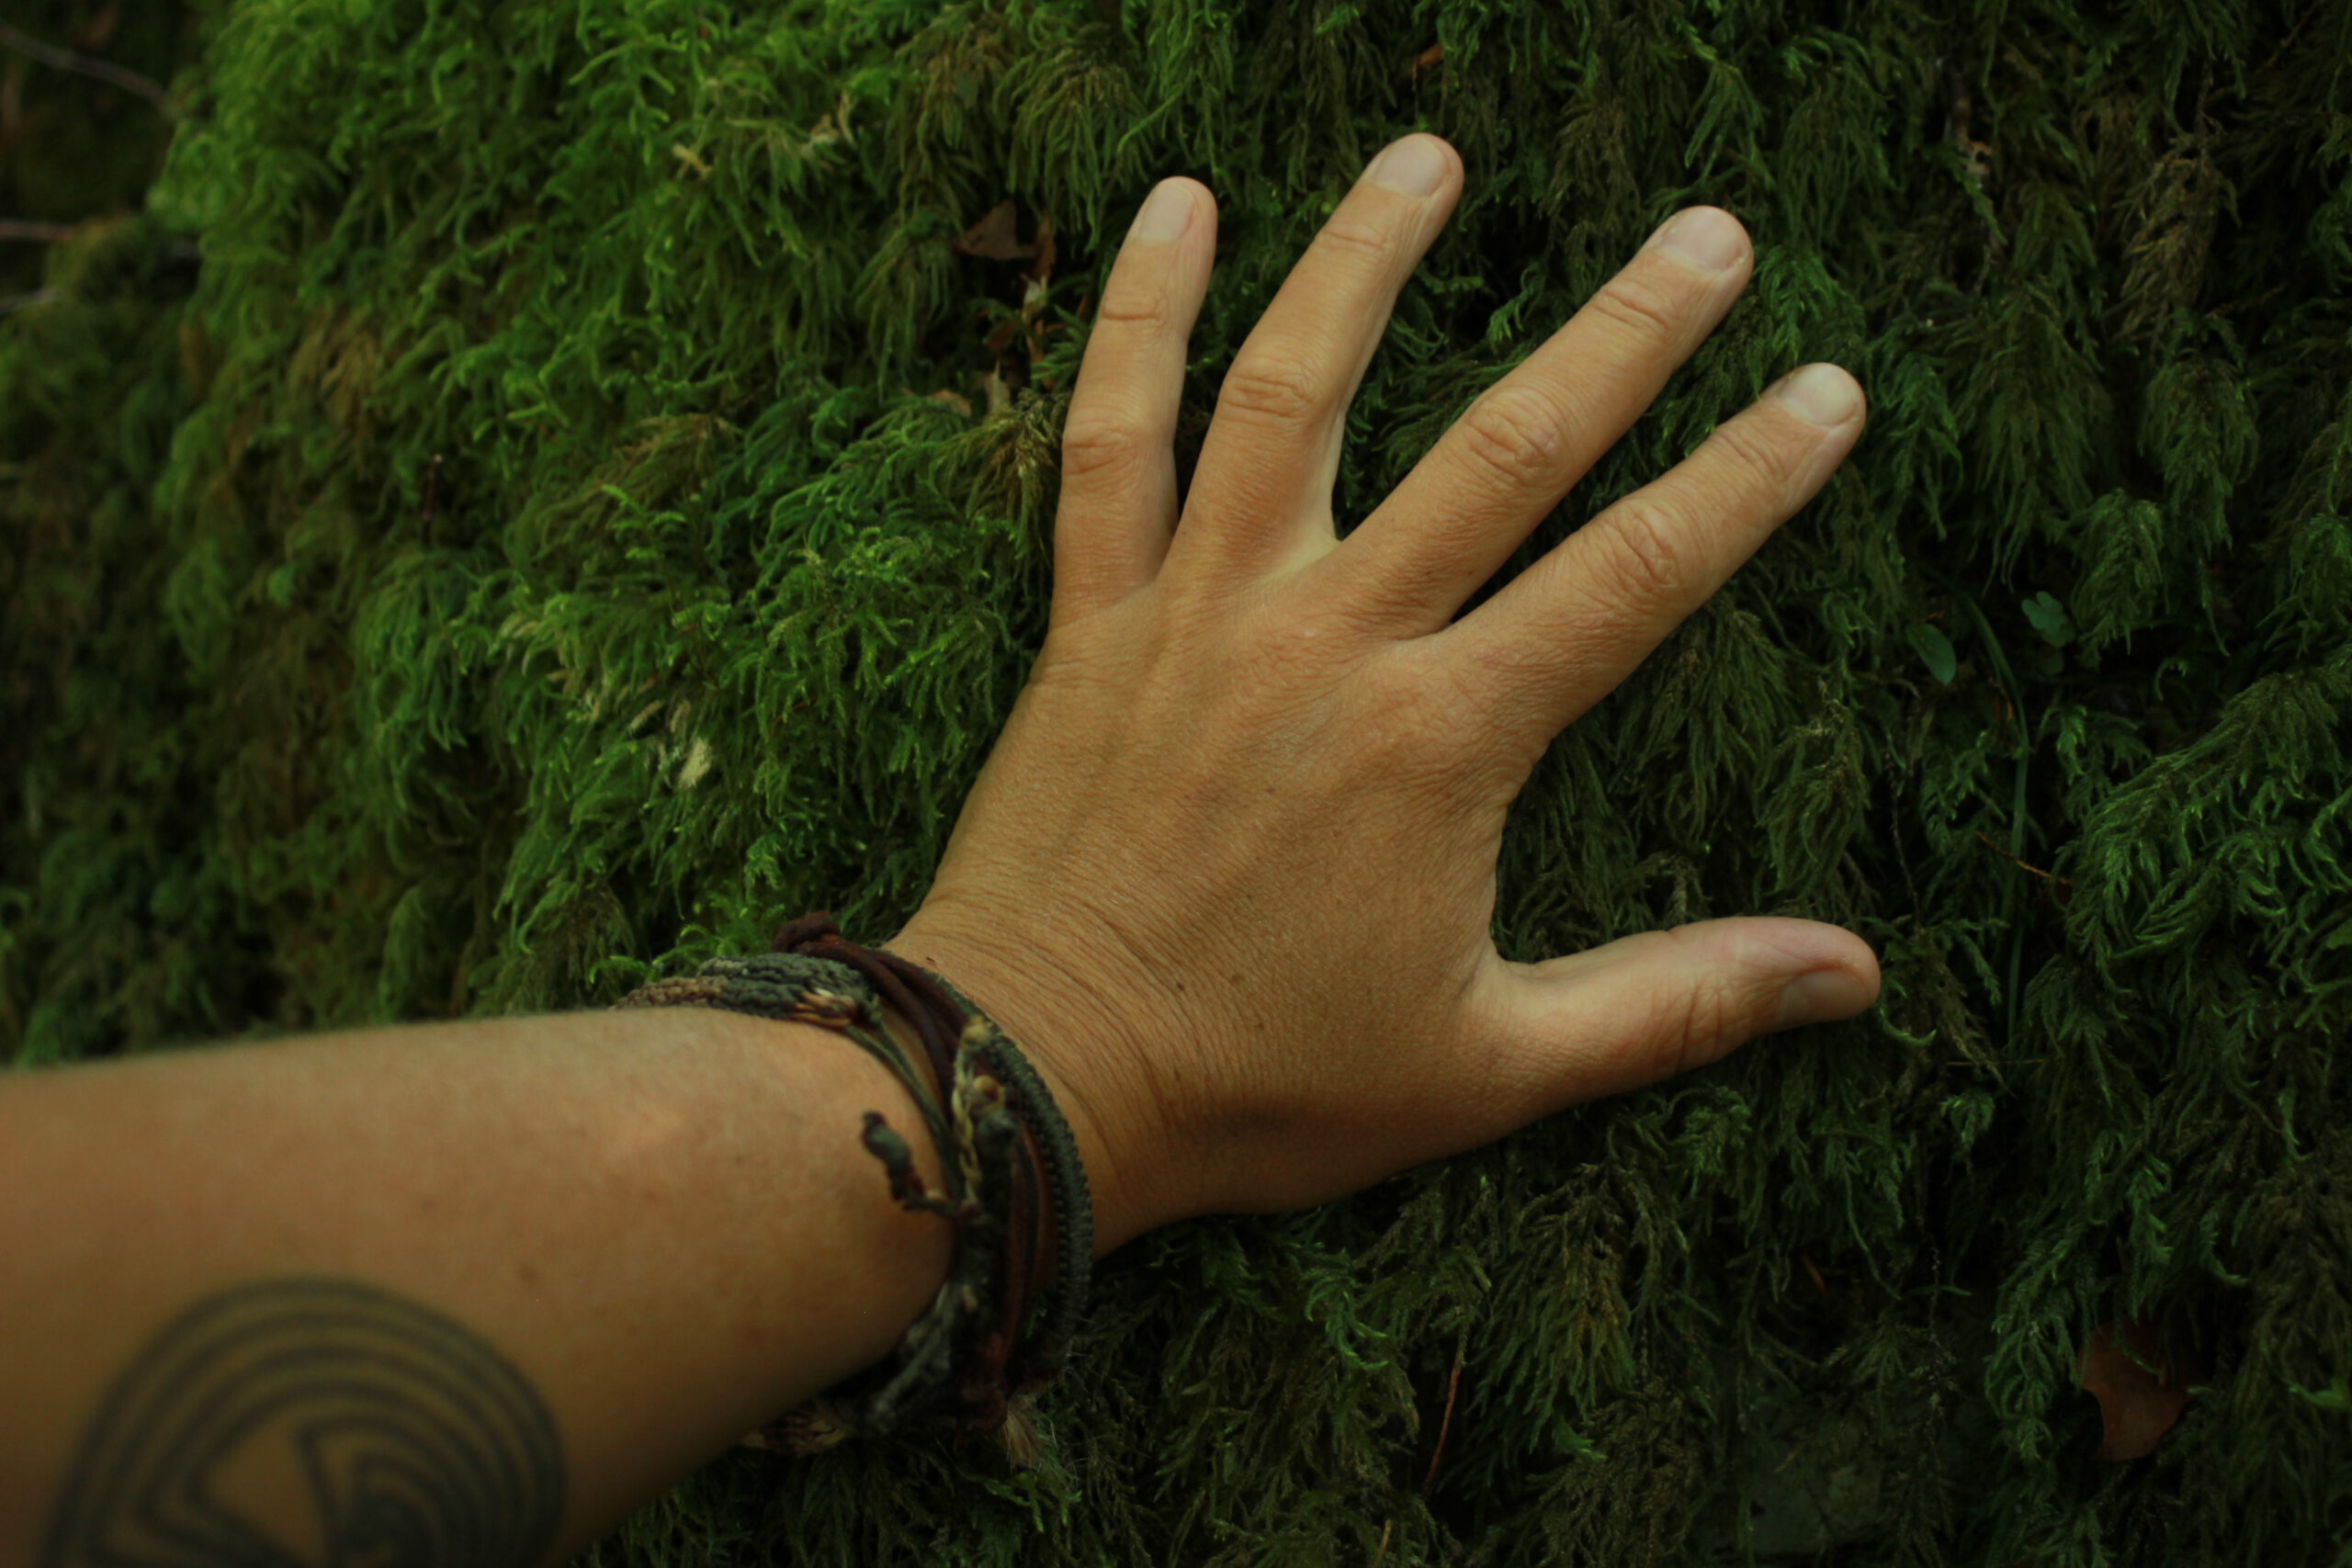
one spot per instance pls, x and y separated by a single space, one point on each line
1987 840
15 302
87 65
1451 1385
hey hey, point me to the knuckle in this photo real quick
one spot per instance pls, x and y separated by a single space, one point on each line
1280 391
1754 450
1487 691
1713 1022
1514 433
1477 702
1350 235
1407 734
1639 305
1103 443
1131 301
1419 717
1642 554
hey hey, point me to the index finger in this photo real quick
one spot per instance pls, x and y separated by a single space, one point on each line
1560 636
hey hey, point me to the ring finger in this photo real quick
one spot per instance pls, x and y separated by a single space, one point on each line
1520 447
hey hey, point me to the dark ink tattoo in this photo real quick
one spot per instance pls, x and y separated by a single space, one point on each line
408 1440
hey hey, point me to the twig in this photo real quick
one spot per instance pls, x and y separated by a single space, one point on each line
1446 1425
25 229
87 65
1984 839
13 303
2290 41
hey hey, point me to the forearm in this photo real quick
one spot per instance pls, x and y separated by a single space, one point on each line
644 1233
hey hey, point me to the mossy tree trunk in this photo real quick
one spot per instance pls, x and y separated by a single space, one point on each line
595 502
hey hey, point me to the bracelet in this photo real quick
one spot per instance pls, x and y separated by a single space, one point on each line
984 1345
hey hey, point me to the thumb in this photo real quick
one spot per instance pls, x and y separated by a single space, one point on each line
1650 1005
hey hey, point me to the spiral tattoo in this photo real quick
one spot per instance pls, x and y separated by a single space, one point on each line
415 1444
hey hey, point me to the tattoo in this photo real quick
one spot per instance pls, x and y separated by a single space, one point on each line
409 1441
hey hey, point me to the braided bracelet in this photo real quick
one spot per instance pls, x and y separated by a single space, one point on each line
971 1347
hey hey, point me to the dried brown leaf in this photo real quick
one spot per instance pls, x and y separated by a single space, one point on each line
995 236
2139 1403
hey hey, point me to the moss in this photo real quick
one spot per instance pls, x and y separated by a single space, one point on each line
589 507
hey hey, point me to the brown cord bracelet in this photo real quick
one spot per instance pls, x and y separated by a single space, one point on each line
986 1344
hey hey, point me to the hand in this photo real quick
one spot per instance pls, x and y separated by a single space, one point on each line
1228 876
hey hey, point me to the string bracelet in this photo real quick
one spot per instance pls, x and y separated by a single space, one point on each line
1001 1327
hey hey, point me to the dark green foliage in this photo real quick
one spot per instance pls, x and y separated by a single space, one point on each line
112 917
76 145
588 512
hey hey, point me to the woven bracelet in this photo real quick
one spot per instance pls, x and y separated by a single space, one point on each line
1073 1199
935 1354
1007 1363
968 1349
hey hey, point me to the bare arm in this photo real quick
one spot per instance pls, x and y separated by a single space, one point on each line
477 1289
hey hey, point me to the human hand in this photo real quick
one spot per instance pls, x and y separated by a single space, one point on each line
1228 876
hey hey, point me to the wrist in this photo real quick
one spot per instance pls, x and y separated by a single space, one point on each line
1049 1029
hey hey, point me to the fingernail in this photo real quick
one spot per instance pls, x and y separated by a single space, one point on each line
1704 236
1166 214
1823 995
1821 393
1414 165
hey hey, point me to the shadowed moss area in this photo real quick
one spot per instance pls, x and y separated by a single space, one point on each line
587 497
85 117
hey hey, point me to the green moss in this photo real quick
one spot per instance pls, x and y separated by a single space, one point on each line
577 518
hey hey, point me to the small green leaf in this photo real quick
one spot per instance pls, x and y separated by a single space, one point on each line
2050 618
2334 1396
1936 649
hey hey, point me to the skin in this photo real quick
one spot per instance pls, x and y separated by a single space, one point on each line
469 1293
1229 872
